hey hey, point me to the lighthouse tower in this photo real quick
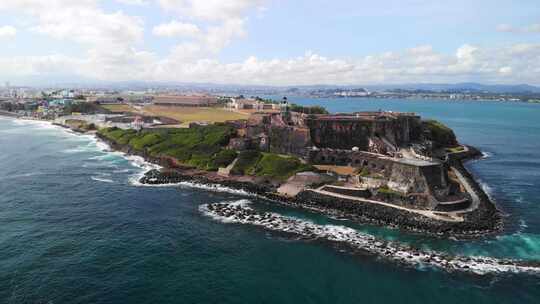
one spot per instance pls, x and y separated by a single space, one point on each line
284 105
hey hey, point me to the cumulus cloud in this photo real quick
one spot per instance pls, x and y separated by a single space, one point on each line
514 63
133 2
226 20
507 28
210 9
113 50
7 31
80 21
177 29
108 38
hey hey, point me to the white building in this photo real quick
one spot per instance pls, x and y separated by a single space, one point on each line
252 104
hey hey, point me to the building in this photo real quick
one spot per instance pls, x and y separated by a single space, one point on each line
252 104
185 101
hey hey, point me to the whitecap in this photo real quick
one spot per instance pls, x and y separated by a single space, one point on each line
22 175
486 188
486 154
135 181
102 179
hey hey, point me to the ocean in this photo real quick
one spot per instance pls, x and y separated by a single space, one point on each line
76 227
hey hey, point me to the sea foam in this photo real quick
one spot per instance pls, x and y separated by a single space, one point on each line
240 212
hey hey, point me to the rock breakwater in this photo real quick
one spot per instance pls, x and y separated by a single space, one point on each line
478 223
240 212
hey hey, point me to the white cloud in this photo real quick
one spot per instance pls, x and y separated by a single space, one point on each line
133 2
112 42
224 20
183 64
505 70
177 29
507 28
7 31
220 36
210 9
80 21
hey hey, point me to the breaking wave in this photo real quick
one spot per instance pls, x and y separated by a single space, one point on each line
486 154
240 212
142 165
486 188
22 175
135 181
102 179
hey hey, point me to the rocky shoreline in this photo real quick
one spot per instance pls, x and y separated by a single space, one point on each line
241 213
486 219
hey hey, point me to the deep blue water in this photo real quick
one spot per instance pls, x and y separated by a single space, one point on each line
74 228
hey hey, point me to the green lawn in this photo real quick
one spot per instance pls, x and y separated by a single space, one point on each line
199 147
205 149
269 165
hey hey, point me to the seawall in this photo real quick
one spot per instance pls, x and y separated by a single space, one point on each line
484 220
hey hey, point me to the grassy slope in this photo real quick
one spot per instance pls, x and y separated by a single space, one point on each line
204 148
269 165
200 147
440 134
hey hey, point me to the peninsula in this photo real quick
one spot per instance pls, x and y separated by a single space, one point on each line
385 168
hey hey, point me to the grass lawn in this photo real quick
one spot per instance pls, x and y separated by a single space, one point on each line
192 114
268 164
119 108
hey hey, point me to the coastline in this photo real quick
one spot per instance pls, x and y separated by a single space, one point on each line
341 237
485 220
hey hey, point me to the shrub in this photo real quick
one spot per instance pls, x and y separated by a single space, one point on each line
364 172
308 109
280 167
440 134
387 191
246 162
224 158
140 142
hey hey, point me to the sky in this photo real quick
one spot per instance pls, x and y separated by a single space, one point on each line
270 42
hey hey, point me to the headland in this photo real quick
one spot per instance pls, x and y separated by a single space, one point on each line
385 168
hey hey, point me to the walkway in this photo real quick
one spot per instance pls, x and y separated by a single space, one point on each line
441 216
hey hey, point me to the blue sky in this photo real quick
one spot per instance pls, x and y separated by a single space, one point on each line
274 42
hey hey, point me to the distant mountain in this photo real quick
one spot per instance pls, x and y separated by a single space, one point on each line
257 89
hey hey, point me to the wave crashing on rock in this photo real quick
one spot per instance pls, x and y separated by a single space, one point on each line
240 212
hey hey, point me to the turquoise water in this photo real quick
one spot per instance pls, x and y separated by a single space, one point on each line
75 228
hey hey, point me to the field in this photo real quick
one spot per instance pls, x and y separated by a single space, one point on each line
119 108
192 114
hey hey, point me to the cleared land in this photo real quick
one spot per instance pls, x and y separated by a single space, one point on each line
192 114
343 170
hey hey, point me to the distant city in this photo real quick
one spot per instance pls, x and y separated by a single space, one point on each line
143 91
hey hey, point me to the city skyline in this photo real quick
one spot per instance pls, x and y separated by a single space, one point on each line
270 42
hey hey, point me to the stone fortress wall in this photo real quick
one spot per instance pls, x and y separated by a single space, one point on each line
415 179
369 141
348 131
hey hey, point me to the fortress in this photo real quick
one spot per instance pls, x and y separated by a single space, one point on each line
390 157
